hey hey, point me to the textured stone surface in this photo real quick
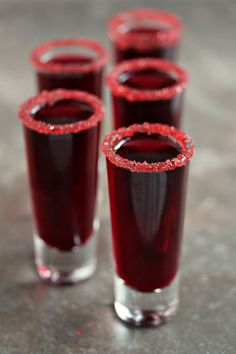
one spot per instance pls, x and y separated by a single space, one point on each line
38 319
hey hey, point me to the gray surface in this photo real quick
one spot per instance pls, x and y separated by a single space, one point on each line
38 319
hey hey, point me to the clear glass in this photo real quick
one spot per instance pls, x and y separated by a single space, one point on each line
147 177
74 64
145 309
66 267
61 131
147 90
144 33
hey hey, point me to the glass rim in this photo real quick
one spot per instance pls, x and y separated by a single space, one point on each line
139 41
135 65
184 142
100 60
25 111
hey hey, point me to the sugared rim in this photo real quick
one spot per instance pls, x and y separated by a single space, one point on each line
185 143
134 65
49 98
139 41
100 60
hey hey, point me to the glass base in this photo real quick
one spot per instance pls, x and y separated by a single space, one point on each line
145 309
58 267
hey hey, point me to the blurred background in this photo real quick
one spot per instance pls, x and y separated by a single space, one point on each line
38 319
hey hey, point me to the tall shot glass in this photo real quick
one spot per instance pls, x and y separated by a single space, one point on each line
74 64
61 132
147 168
145 32
147 90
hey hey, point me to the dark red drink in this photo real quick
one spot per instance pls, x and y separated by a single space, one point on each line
142 33
74 64
61 131
147 90
147 172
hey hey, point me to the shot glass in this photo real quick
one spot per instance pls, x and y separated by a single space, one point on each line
147 168
61 132
74 64
147 90
140 33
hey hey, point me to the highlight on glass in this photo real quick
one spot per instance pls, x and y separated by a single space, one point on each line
75 64
61 132
147 90
144 32
147 168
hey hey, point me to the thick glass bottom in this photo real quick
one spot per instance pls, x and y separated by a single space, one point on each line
58 267
145 309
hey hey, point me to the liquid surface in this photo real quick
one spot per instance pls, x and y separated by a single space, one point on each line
147 80
67 59
148 29
142 147
64 112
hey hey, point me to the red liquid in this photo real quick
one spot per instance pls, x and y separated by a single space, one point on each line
63 176
166 111
88 81
147 212
162 52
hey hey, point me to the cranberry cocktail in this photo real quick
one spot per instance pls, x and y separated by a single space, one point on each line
75 64
61 130
147 90
147 169
142 33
